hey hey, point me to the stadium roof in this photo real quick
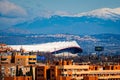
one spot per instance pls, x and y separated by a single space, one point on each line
49 47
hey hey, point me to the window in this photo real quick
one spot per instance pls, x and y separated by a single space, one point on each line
103 68
95 68
31 62
65 69
40 75
41 70
18 59
3 59
34 58
30 58
112 67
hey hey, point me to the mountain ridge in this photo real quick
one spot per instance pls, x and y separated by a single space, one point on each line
76 24
104 13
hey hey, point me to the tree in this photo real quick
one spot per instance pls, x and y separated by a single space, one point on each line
17 72
13 58
31 72
28 74
20 72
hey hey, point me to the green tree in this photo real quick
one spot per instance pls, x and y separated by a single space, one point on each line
31 72
17 72
20 72
28 73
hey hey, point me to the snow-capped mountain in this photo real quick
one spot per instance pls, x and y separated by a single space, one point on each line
98 21
104 13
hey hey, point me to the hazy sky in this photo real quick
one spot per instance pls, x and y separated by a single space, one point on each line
72 6
76 6
16 11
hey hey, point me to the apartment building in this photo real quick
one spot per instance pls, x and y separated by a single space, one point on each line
23 60
42 72
67 70
4 60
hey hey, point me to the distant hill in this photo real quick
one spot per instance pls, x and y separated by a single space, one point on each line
111 42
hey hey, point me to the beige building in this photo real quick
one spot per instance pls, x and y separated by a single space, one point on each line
5 60
22 60
67 70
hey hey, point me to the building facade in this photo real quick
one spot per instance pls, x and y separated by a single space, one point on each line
23 60
67 70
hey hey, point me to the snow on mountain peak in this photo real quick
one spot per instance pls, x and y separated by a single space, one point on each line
105 13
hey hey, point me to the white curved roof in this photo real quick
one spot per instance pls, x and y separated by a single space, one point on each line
47 47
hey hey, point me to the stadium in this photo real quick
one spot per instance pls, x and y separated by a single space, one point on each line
53 47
